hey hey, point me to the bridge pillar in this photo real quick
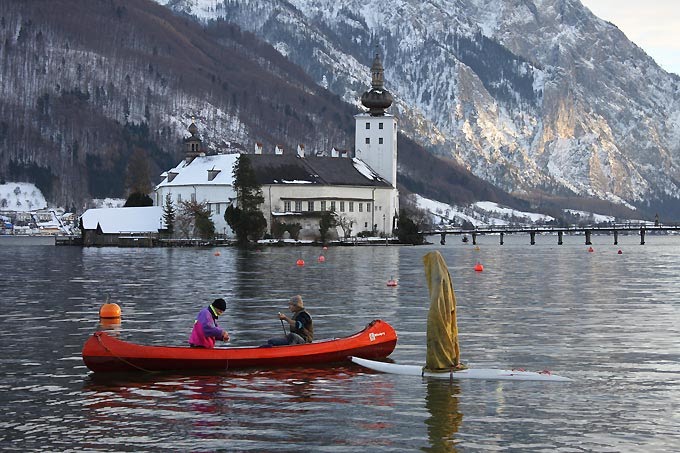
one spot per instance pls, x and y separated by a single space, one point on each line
588 237
642 236
474 238
559 238
533 237
442 241
616 237
502 237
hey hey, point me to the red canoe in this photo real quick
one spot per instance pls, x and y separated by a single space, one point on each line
104 353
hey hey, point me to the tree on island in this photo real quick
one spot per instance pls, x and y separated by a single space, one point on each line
169 215
408 230
246 219
202 225
328 221
137 199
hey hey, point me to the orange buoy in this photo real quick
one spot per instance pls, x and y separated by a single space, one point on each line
479 267
109 310
322 258
590 249
392 282
300 262
217 253
620 252
110 323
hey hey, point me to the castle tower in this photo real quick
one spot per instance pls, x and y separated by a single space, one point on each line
375 139
193 146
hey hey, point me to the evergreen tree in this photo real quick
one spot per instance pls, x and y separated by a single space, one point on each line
246 219
328 221
169 215
408 231
137 199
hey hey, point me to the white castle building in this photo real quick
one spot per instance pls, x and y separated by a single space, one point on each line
298 188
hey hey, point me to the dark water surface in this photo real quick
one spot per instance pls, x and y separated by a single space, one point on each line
611 322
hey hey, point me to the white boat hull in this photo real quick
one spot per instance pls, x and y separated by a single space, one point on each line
474 373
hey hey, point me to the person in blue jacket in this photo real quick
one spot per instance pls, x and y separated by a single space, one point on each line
206 330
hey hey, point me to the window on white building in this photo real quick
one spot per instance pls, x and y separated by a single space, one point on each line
342 206
323 205
368 140
298 206
361 207
310 206
333 206
380 125
351 206
368 207
286 206
193 197
380 141
179 198
368 125
217 208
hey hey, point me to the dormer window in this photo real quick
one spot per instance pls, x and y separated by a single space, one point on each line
213 173
172 175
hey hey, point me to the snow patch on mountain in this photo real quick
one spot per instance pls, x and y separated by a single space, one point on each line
21 197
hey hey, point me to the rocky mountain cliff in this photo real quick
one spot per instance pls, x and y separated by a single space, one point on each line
94 92
539 97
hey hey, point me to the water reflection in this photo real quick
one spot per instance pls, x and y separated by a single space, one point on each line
609 321
445 418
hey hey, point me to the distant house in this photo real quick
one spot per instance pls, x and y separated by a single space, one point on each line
137 226
200 178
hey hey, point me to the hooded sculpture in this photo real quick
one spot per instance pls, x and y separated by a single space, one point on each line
443 351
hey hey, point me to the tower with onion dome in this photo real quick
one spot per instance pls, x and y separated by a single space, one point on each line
376 131
375 139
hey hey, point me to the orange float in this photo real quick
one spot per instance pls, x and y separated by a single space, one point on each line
109 311
479 267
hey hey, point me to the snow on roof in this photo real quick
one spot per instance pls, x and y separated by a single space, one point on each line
145 219
196 172
362 168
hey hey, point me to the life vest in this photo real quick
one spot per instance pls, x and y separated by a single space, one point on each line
307 333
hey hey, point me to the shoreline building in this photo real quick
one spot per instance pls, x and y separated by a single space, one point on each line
298 187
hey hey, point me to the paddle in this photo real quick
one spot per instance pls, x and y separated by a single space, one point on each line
283 327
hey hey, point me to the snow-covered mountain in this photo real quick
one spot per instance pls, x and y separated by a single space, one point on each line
535 96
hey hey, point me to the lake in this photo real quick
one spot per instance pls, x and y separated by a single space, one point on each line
609 321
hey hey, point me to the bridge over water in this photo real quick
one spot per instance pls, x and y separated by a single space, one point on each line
587 231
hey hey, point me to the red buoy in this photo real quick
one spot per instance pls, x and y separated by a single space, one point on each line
217 253
322 258
300 262
620 252
325 247
479 267
392 282
590 249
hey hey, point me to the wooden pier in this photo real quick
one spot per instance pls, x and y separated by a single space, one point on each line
587 231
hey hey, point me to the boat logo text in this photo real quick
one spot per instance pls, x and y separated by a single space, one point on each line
372 336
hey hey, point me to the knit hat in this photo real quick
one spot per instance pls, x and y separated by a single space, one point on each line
219 304
297 301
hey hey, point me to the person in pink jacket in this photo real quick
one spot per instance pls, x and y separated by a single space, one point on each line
206 330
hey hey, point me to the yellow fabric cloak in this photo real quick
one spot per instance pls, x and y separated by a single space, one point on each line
443 350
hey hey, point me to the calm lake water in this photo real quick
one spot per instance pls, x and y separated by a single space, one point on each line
609 321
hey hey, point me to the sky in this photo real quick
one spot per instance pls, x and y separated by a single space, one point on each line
654 25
